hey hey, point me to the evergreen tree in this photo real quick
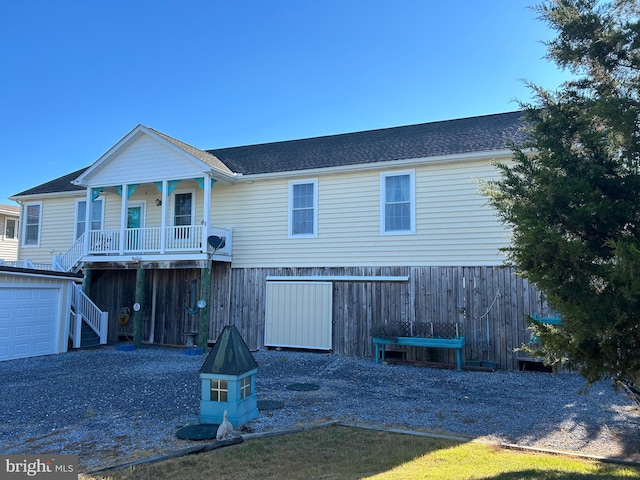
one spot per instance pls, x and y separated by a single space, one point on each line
572 194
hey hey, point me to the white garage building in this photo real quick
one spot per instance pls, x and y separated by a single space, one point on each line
34 311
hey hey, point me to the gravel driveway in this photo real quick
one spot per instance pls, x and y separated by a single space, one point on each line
112 406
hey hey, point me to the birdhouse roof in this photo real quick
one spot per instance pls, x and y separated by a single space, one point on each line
230 355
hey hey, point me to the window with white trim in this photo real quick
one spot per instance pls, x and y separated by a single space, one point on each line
11 228
33 219
245 387
97 216
303 208
183 209
219 390
397 203
183 214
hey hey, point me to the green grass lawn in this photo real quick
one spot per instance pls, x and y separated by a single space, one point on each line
338 452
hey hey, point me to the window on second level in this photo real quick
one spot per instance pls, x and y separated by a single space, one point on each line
97 210
33 218
303 208
183 211
11 228
397 203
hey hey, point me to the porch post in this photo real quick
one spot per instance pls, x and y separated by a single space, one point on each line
86 282
138 315
163 219
87 221
206 212
205 294
123 217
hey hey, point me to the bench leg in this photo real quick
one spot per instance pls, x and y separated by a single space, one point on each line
378 358
459 359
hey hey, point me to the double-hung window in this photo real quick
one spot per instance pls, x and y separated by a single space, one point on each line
96 217
397 203
11 229
303 208
33 219
183 216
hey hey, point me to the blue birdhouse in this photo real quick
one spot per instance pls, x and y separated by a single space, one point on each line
228 379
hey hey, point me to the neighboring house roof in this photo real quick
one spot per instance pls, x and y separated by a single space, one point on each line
41 273
485 133
9 210
476 134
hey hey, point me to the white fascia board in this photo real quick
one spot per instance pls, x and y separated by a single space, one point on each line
32 274
40 196
337 278
207 169
410 162
95 165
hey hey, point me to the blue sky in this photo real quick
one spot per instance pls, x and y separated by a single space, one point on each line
76 76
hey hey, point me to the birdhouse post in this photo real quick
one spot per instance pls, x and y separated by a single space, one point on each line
228 379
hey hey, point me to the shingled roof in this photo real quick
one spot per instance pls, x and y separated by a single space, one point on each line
445 138
60 184
451 137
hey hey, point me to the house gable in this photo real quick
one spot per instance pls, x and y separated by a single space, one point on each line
145 155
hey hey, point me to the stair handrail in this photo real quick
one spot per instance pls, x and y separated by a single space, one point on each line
95 318
71 257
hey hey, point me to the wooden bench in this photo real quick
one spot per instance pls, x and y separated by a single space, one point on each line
456 343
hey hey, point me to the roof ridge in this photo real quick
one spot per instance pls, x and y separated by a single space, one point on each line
369 131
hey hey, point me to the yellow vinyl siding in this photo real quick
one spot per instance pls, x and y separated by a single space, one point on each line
454 226
57 227
8 246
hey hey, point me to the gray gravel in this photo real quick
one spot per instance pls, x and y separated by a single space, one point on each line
112 406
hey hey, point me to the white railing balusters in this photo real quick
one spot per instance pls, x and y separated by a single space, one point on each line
90 313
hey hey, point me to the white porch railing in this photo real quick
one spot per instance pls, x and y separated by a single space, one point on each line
83 309
141 241
187 238
26 263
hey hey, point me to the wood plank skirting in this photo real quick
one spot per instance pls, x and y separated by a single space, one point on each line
492 304
454 343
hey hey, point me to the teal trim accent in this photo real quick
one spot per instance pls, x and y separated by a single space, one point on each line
201 182
132 188
171 186
95 193
159 185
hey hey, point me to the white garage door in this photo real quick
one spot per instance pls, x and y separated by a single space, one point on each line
28 321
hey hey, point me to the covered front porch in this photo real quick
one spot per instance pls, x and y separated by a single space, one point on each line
149 199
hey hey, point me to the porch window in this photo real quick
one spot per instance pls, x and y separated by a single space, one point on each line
219 390
303 208
10 228
397 202
32 224
97 210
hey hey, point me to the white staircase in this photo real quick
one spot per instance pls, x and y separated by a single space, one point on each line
84 313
